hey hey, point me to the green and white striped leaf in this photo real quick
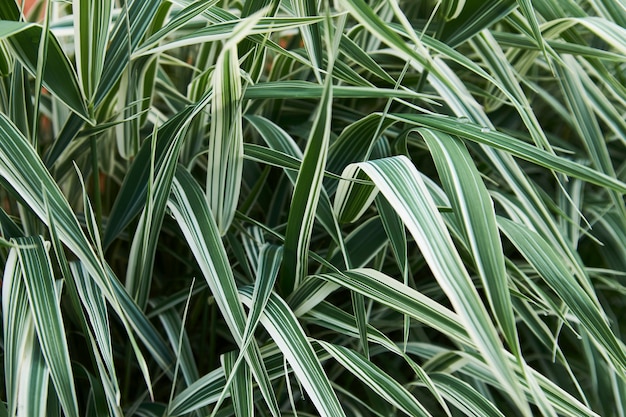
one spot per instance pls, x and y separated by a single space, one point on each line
224 31
207 389
331 317
284 152
270 258
376 379
190 209
312 35
479 71
463 396
225 151
306 194
129 29
177 21
143 249
549 265
94 303
475 16
473 367
529 13
58 74
34 381
24 171
402 186
18 330
393 294
305 89
267 268
474 210
283 327
132 195
43 299
92 21
611 33
241 387
504 73
179 339
451 9
515 147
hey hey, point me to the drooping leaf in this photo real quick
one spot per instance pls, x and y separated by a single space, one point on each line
58 76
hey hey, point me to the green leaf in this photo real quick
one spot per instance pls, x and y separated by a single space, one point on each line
225 164
132 195
305 89
473 209
224 30
58 76
94 303
283 327
393 294
306 195
269 259
475 16
335 319
92 21
551 268
402 186
376 379
44 302
516 147
312 35
190 209
463 396
129 29
144 244
24 171
17 325
241 388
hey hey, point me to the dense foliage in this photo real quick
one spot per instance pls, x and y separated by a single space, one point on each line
297 207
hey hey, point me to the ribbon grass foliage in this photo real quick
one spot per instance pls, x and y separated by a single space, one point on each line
294 207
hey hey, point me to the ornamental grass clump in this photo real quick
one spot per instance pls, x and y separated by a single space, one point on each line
334 208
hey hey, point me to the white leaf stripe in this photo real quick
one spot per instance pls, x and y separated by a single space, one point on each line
376 379
282 325
179 339
474 209
129 29
394 294
546 261
402 186
225 151
224 31
310 34
91 27
241 388
189 12
59 76
463 396
225 165
24 171
283 146
17 324
34 381
190 209
267 270
306 195
515 147
473 367
37 273
207 389
329 316
94 303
